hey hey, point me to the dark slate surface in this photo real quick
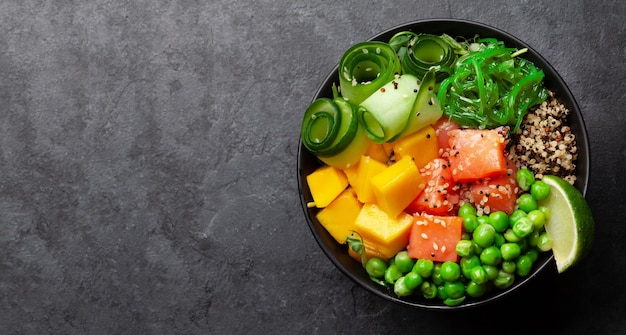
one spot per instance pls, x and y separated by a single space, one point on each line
148 167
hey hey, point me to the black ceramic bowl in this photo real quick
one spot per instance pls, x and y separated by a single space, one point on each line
307 162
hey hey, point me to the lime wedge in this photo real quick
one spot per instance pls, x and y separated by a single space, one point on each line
571 226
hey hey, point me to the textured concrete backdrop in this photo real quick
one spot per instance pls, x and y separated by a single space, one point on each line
148 166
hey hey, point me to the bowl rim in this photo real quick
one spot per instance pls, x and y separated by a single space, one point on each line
323 238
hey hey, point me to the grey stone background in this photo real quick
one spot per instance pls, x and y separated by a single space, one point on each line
148 167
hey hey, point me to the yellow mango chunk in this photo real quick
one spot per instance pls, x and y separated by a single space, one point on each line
421 145
377 151
351 173
368 167
398 185
385 234
338 218
325 184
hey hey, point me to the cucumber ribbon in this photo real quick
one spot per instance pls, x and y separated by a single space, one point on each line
366 67
330 130
419 53
401 107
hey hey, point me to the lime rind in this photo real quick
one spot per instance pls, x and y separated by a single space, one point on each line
571 226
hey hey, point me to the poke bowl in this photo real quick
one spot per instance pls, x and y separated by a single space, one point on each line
339 253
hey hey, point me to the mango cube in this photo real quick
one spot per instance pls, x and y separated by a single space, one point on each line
367 168
385 234
338 218
325 184
421 145
377 151
397 186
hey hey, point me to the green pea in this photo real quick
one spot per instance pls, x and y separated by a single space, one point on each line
376 267
524 264
454 289
484 235
479 275
450 271
540 190
516 215
400 288
476 248
436 276
424 267
475 290
503 280
533 238
545 242
491 256
464 248
483 219
527 203
510 236
499 240
454 301
467 264
525 178
508 266
537 217
499 220
404 262
466 209
533 254
469 223
412 280
492 271
428 289
546 212
523 227
510 251
523 245
442 294
392 273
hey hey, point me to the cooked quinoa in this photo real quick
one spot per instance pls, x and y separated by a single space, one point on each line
545 144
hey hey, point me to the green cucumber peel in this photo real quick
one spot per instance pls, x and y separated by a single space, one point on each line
366 67
385 113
